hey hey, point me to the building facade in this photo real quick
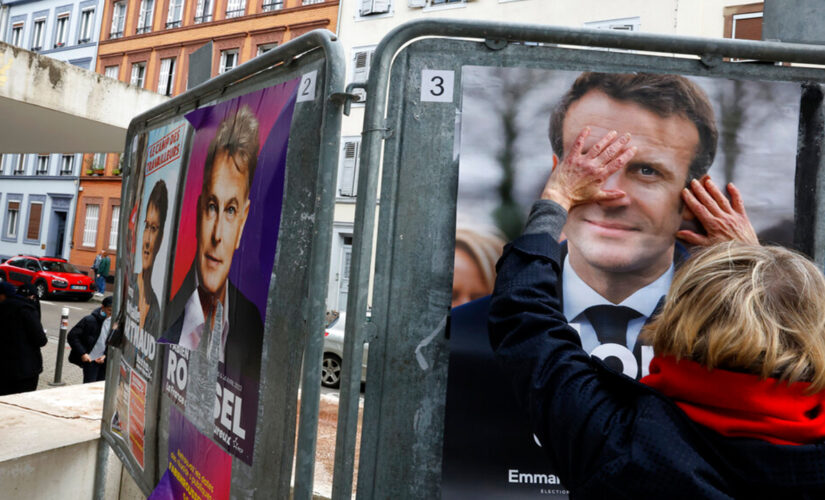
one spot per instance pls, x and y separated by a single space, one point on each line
39 191
363 23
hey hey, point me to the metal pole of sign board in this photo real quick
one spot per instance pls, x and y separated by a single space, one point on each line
272 471
376 129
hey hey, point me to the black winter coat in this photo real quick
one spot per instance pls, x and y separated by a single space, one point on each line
609 436
83 336
22 337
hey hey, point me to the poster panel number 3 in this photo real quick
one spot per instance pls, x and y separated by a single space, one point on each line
437 85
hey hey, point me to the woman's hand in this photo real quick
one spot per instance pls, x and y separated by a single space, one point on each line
723 220
580 178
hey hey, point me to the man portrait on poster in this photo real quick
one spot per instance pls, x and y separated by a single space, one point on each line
217 318
620 253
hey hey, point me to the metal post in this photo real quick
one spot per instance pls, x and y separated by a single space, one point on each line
61 347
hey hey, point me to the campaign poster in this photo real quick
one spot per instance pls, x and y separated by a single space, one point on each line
227 234
137 417
152 235
513 121
120 417
198 468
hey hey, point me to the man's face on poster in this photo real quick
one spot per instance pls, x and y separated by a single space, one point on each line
151 236
222 210
635 233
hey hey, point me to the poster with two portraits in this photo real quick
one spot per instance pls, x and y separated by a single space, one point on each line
207 196
506 153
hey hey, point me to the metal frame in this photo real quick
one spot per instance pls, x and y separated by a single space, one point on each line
409 427
310 185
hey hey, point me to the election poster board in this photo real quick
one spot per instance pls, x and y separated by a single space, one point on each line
157 157
227 234
506 154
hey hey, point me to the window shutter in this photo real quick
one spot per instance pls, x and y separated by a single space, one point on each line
14 205
114 227
381 6
163 79
90 225
349 168
33 231
365 7
135 74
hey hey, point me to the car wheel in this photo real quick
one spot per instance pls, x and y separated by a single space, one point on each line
40 290
331 371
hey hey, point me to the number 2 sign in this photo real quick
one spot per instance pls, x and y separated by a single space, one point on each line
437 85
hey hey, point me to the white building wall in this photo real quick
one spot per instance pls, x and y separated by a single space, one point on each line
57 188
357 32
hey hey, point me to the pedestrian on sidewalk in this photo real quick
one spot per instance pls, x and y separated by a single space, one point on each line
96 263
102 272
83 339
20 360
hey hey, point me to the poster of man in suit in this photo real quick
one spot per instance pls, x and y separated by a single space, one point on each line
517 124
227 235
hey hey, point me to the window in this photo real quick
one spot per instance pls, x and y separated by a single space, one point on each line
624 24
42 165
372 7
310 2
67 165
229 59
175 14
112 71
166 80
118 19
147 11
33 227
343 271
87 21
39 34
19 165
203 11
90 225
263 49
235 8
270 5
12 213
138 73
17 34
113 231
99 162
61 34
348 176
361 60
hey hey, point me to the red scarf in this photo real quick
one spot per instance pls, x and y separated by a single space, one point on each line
740 404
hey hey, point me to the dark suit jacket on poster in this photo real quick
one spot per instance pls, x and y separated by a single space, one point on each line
244 342
486 434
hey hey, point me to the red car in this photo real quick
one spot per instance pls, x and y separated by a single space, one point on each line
48 276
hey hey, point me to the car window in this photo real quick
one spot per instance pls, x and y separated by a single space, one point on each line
16 262
32 265
56 266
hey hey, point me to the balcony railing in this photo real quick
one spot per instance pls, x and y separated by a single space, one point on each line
115 34
203 19
145 29
271 5
173 24
234 13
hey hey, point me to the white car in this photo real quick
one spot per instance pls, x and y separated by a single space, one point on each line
334 353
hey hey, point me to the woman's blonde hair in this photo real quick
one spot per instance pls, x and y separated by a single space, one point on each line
749 309
484 247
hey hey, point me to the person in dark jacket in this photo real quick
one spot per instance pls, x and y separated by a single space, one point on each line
82 339
22 336
734 405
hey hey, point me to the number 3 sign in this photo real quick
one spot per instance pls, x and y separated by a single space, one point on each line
437 85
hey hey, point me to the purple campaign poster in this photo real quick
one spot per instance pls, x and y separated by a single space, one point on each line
198 468
227 236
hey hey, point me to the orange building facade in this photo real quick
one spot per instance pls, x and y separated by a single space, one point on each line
148 43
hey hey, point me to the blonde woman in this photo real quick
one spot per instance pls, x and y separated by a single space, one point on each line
734 405
474 271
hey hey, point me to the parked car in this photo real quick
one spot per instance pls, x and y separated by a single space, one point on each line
47 276
334 353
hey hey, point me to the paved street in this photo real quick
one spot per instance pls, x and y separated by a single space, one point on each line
50 313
